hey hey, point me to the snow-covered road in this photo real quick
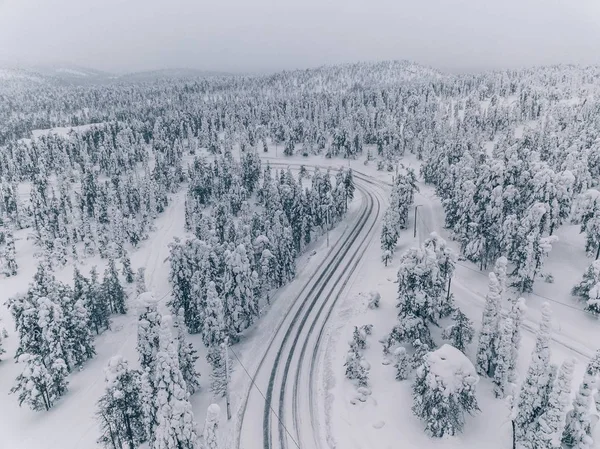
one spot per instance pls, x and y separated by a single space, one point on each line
284 389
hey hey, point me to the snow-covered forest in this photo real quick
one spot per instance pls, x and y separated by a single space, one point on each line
184 259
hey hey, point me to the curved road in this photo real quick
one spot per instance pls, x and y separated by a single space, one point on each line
286 374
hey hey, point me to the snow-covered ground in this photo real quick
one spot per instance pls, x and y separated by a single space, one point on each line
385 420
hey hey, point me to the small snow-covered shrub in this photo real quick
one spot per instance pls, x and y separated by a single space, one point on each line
374 300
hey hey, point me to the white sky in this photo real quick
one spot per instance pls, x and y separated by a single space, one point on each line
264 35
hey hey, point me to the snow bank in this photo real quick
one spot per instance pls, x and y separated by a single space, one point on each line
452 368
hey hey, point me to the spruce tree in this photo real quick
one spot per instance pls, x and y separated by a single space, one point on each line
112 289
39 385
444 391
149 323
175 426
401 363
120 413
589 288
533 398
140 281
10 261
460 333
213 331
187 357
549 428
578 426
488 335
502 371
97 303
211 437
127 272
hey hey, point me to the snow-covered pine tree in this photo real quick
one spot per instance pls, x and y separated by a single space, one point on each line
593 303
10 262
389 236
401 363
112 289
119 412
140 281
488 335
444 391
587 212
149 323
211 426
517 315
549 427
531 247
578 426
241 305
588 285
460 333
38 385
213 331
502 376
96 303
355 366
533 398
187 356
500 270
79 332
175 427
126 262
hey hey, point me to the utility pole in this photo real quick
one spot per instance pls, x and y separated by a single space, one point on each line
227 399
327 227
416 209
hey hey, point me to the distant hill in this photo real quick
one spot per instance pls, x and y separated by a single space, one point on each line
170 74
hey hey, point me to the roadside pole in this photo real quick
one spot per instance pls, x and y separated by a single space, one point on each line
226 344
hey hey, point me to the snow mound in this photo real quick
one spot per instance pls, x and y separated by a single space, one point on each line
452 368
146 299
213 412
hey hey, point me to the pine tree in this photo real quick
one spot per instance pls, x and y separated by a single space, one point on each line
442 398
460 333
140 281
219 378
175 426
488 335
533 398
550 426
127 272
187 357
500 270
79 333
241 305
120 411
213 330
503 359
211 437
10 262
389 237
587 289
402 363
578 427
40 386
356 368
112 289
149 323
97 303
517 315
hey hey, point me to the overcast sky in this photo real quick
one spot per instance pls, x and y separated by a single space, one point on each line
266 35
